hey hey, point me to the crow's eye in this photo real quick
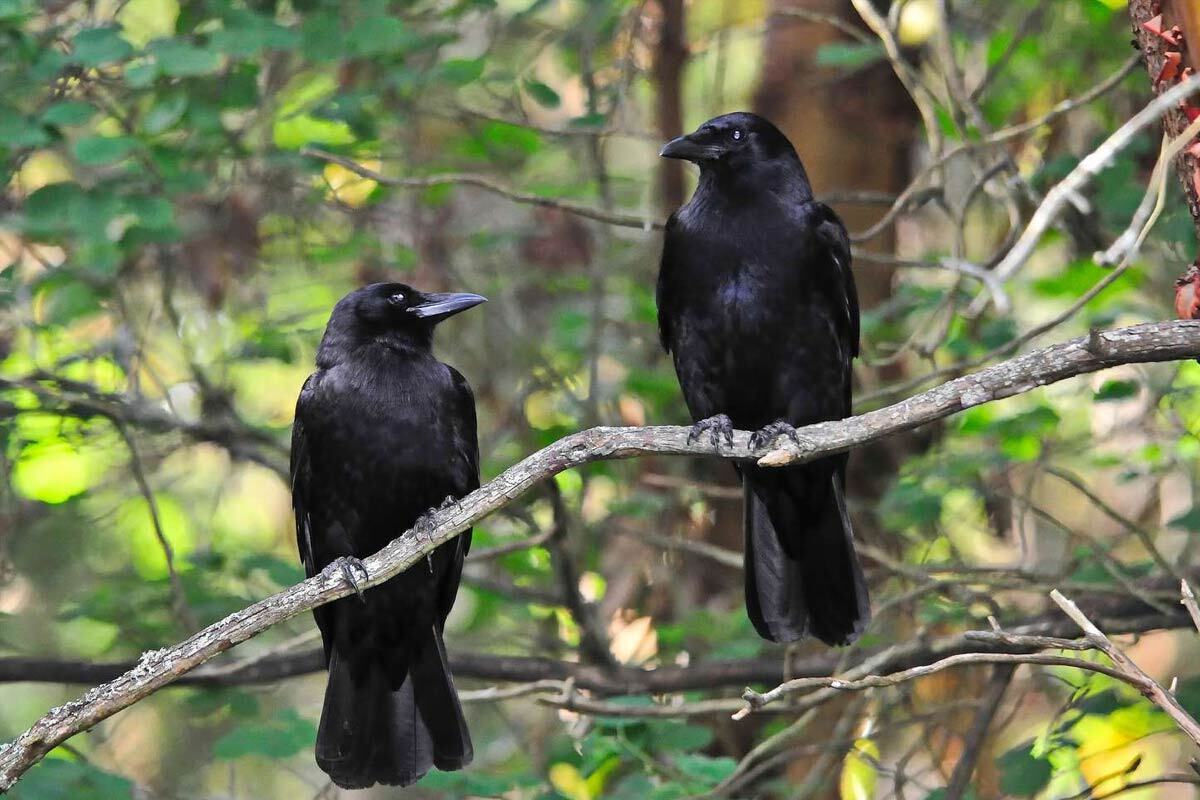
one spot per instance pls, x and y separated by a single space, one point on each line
397 299
736 134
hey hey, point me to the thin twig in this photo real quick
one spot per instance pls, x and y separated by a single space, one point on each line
756 701
1128 671
488 185
178 595
1189 602
1084 171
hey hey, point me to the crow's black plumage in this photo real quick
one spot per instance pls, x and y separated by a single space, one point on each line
384 431
757 306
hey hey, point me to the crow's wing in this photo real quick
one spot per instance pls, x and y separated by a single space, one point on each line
301 479
665 294
832 236
465 476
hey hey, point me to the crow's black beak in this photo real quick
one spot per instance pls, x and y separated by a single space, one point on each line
688 149
438 306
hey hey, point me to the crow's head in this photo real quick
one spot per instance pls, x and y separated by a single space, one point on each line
731 141
391 311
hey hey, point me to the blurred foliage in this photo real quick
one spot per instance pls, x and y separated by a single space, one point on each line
169 254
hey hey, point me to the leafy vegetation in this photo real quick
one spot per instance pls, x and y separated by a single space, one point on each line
171 242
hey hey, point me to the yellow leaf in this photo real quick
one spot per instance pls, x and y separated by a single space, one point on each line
39 169
350 188
859 777
1109 744
143 20
568 782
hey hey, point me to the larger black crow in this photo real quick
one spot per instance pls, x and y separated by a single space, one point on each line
384 431
757 306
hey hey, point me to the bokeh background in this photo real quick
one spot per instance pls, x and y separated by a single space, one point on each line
172 239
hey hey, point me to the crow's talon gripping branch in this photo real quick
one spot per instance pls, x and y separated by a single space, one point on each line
772 433
347 566
424 525
717 427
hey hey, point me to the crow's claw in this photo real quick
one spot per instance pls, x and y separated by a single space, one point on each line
347 566
450 502
771 433
717 427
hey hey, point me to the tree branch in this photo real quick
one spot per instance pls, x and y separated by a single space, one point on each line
1130 672
488 185
1154 342
1095 162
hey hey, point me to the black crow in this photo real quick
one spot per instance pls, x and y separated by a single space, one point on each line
384 432
757 306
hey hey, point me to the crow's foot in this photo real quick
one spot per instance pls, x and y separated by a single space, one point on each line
424 525
772 433
347 566
716 427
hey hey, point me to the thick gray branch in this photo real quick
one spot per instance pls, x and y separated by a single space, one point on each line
1166 341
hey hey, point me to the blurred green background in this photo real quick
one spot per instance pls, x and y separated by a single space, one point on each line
170 251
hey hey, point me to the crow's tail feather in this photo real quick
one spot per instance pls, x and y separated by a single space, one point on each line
373 731
802 573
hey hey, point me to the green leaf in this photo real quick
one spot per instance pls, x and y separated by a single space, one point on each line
68 113
14 9
94 151
182 59
53 471
506 136
61 779
165 113
468 783
154 214
1188 694
1021 774
461 71
381 35
248 34
141 74
285 735
48 210
69 302
1116 390
668 735
20 131
848 55
588 121
96 47
543 94
706 770
1188 520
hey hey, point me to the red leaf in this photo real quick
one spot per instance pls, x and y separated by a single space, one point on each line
1170 68
1187 304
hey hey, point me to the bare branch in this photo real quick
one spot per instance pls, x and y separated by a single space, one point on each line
488 185
1129 672
755 701
1088 168
1137 344
1189 602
